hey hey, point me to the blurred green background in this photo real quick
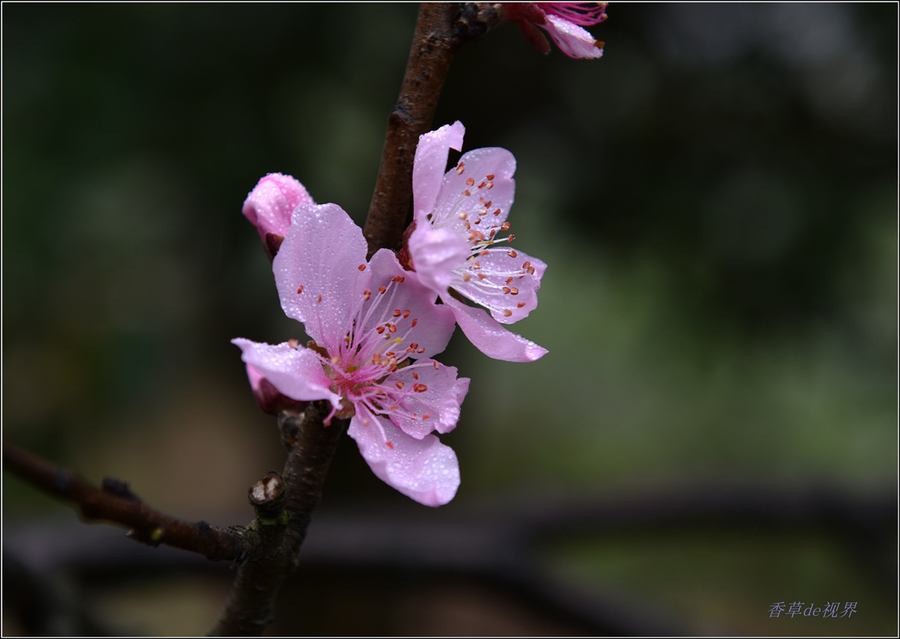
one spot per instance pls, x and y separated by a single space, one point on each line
716 199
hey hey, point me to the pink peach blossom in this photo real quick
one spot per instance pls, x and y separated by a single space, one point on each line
269 206
459 242
563 21
374 330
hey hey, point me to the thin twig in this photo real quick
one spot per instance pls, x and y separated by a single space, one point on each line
117 504
441 29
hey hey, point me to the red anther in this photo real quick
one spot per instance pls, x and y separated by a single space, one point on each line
318 298
421 350
507 312
460 168
493 233
466 277
414 322
397 278
397 312
526 265
514 290
415 375
531 270
504 226
497 212
462 216
437 366
361 267
367 294
477 220
512 254
510 238
414 346
484 252
482 275
467 193
489 176
520 304
482 185
506 290
405 313
399 385
392 328
389 445
490 184
470 182
420 388
299 289
477 264
293 343
394 368
379 330
382 289
487 204
426 416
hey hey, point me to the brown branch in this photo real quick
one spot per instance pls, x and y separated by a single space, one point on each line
250 606
117 504
441 29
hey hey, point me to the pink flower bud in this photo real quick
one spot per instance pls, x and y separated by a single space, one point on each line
269 206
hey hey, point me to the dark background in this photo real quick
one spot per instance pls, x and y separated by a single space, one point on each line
716 199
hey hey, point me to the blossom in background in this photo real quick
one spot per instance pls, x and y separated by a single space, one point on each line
269 207
458 243
374 330
563 21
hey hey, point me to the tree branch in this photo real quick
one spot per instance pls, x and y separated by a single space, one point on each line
117 504
251 604
441 29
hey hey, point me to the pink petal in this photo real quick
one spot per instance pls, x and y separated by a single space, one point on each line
468 188
424 469
407 304
435 253
317 271
270 204
572 39
490 337
506 282
431 162
433 395
295 372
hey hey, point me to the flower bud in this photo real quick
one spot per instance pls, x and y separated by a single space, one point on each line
269 207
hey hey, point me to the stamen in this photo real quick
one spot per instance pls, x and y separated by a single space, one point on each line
420 388
460 168
507 312
361 267
367 294
520 304
470 182
489 176
299 289
382 289
389 445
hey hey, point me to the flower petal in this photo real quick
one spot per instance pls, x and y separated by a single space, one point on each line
490 337
505 281
431 162
408 306
270 204
574 41
432 393
424 469
317 271
435 253
295 372
480 177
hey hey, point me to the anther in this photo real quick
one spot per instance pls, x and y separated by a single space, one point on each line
490 184
510 238
299 289
437 366
414 322
397 312
482 275
293 343
318 298
399 385
460 168
367 294
467 193
361 267
392 328
512 254
389 445
506 290
481 186
489 176
470 182
520 304
466 277
504 226
462 216
382 289
420 388
405 313
507 312
487 204
484 252
415 375
397 278
379 330
508 280
421 350
514 290
426 416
